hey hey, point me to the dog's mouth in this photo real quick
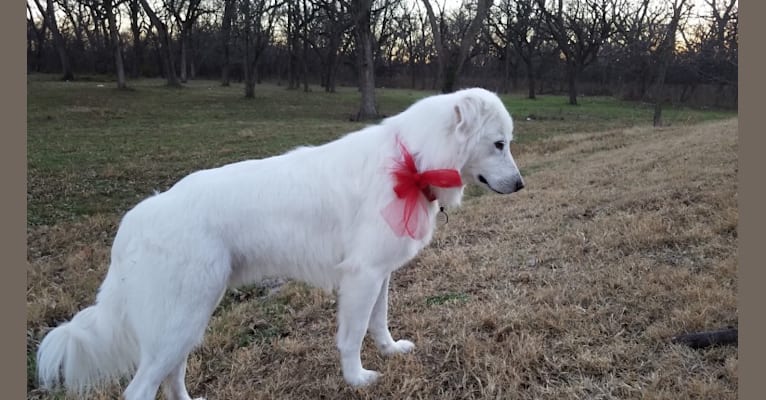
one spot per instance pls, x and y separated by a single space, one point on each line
507 186
484 181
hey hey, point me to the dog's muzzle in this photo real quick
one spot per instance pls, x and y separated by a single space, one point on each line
506 186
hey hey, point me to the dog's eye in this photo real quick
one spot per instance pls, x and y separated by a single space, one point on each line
499 145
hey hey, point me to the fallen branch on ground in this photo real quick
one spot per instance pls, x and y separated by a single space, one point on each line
706 339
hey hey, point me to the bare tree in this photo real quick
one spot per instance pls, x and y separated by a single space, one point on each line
385 31
638 33
664 56
74 15
501 19
517 28
115 40
258 18
333 24
35 40
715 43
613 46
98 36
724 16
49 19
452 56
406 30
405 45
185 13
301 37
135 30
580 30
437 30
307 16
228 15
361 10
164 43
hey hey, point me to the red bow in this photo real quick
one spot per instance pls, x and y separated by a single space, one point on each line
405 212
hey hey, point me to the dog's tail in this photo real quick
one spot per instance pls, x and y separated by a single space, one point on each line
94 349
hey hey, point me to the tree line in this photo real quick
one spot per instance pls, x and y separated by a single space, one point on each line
656 51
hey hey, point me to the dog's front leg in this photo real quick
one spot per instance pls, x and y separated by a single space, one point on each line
379 326
357 294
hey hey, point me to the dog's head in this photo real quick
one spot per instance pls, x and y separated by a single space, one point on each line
469 130
485 128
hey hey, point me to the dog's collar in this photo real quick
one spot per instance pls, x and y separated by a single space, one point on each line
430 196
405 212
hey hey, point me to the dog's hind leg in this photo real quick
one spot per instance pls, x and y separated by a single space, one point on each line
357 293
169 318
379 326
163 355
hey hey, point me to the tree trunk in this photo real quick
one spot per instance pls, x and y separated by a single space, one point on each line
192 65
531 80
413 66
248 67
305 47
665 54
572 80
450 77
115 39
78 28
292 79
332 68
365 60
249 86
247 62
192 55
657 117
441 53
469 38
49 19
305 65
166 53
135 29
332 59
368 108
456 60
184 56
39 38
228 14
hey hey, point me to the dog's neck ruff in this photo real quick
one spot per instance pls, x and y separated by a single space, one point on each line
407 212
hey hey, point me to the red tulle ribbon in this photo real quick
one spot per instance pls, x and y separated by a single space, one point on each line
405 214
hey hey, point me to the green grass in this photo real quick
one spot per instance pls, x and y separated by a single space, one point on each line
447 298
94 149
551 115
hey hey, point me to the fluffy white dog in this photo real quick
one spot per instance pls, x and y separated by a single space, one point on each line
342 216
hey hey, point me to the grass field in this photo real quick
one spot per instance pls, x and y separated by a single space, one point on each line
624 236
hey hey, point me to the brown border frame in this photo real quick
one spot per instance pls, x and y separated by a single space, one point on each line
13 171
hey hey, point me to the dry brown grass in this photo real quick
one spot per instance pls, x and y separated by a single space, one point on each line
568 289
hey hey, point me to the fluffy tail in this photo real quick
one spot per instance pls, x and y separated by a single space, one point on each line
93 349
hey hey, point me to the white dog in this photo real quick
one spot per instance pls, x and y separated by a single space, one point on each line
342 216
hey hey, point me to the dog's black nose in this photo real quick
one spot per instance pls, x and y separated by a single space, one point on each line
519 185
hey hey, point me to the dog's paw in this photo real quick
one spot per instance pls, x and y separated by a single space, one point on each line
398 347
365 378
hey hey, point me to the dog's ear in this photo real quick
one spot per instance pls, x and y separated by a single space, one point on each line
468 115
